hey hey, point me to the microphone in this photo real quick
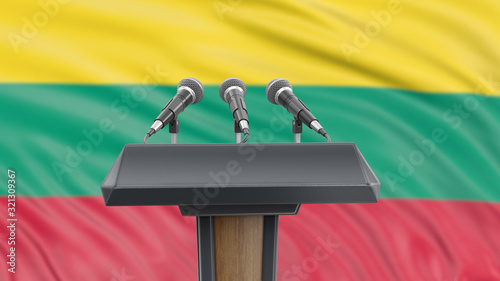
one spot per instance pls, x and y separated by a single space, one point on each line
279 91
189 91
233 91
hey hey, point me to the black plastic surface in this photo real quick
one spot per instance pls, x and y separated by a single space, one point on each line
240 210
239 174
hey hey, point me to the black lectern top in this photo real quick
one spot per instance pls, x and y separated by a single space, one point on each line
239 174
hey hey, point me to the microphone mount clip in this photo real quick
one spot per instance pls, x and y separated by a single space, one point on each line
297 129
173 129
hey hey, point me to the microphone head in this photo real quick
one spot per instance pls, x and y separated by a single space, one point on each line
231 82
195 85
274 86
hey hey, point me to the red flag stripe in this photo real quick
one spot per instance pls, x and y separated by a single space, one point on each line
78 238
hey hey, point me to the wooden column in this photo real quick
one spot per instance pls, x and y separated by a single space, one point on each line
238 248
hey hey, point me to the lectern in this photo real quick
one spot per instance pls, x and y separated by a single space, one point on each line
237 192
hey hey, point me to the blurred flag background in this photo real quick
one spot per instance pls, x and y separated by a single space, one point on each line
415 84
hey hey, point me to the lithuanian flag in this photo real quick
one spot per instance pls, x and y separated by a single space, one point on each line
414 83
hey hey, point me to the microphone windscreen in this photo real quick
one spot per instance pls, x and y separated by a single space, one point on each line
195 85
274 86
230 82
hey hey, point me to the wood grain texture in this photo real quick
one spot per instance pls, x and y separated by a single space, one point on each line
238 247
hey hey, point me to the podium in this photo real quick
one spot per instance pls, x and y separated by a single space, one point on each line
237 192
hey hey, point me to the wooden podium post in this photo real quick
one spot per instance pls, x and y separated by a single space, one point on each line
238 247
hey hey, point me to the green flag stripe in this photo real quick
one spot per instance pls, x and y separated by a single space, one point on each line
62 139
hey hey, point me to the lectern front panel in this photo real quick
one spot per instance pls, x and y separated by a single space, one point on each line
233 174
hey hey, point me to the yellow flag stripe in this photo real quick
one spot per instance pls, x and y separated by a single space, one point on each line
428 46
